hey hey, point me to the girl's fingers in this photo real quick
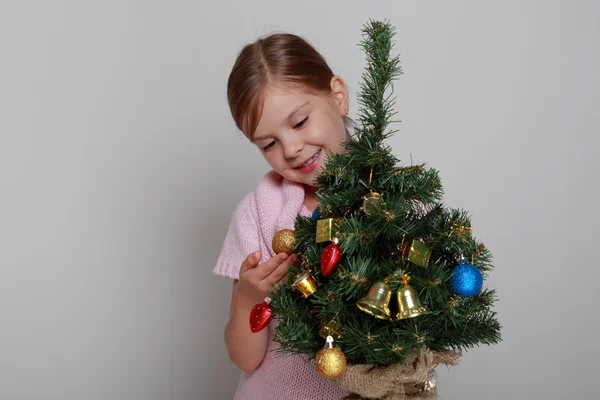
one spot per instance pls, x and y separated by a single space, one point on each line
282 279
250 262
281 271
266 268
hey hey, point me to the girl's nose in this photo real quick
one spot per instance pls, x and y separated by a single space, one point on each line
293 149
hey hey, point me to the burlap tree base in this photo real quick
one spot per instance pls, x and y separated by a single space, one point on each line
413 380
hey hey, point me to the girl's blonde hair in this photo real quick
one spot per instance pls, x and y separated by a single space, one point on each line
281 58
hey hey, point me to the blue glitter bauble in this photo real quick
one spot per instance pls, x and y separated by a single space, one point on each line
315 214
466 279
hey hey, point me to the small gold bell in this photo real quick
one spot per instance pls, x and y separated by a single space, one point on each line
408 303
305 283
377 301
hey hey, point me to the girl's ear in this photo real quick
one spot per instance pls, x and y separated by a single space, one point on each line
340 94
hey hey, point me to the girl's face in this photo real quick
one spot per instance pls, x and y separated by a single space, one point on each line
297 129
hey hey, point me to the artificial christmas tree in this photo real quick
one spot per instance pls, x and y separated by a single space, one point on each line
390 283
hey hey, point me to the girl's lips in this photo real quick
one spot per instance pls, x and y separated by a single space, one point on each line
310 168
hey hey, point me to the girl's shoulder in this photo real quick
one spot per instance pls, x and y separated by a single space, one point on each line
272 206
270 187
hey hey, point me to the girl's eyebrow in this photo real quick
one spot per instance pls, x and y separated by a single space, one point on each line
289 117
296 109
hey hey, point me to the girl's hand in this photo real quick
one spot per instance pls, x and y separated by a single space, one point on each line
256 281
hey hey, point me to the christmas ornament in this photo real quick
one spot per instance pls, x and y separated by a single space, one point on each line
389 215
284 241
377 301
419 253
331 329
372 203
330 258
261 315
305 283
447 257
327 228
330 361
460 229
402 248
315 214
466 279
408 303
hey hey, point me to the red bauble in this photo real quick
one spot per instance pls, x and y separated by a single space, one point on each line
260 316
330 258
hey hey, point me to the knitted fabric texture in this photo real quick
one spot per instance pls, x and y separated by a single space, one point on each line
273 206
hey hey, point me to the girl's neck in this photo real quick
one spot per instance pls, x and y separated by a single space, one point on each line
310 197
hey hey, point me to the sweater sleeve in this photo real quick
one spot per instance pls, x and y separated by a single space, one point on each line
242 239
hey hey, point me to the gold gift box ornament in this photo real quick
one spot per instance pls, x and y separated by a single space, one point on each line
419 253
327 228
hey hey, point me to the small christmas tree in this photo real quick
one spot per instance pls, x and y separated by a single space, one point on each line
391 279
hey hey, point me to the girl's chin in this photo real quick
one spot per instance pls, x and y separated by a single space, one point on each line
309 179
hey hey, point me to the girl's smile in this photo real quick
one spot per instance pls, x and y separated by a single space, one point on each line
311 164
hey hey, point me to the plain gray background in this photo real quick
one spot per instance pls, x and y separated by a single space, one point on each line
120 168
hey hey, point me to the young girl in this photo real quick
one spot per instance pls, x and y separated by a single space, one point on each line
284 97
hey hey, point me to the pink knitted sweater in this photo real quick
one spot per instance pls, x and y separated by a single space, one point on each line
273 206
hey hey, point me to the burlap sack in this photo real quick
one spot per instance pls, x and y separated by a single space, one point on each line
413 380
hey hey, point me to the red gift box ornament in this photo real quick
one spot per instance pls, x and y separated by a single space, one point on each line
260 316
331 257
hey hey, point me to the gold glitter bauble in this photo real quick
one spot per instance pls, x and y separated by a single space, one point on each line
284 241
330 361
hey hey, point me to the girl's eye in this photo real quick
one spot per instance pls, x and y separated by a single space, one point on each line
269 146
301 123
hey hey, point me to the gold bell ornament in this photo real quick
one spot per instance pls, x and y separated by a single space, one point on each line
377 301
305 283
330 361
408 303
